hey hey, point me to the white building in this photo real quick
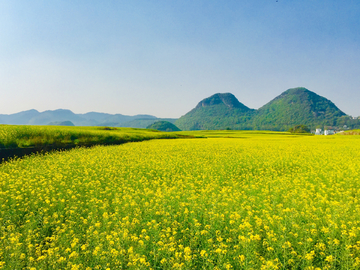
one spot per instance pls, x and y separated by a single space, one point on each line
318 131
329 132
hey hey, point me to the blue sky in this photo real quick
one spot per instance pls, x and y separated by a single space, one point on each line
163 57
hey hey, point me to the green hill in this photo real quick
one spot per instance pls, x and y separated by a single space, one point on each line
144 123
220 111
163 126
296 106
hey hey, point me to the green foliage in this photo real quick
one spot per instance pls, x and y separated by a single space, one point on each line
216 117
243 134
348 122
37 136
299 129
297 106
227 99
163 126
143 123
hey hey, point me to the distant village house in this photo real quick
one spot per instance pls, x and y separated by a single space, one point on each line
329 132
318 131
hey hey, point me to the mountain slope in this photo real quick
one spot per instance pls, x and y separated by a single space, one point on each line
113 119
220 111
296 106
227 99
55 116
20 118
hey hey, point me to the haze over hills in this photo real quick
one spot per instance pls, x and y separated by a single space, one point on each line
295 106
33 117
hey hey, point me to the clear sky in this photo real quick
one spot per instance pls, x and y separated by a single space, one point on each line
161 57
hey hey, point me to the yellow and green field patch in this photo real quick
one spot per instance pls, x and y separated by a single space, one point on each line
216 203
30 136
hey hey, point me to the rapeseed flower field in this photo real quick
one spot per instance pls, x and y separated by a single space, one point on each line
262 202
22 136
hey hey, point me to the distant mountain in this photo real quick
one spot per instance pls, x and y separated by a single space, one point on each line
33 117
61 123
296 106
144 122
55 116
18 118
220 111
113 119
163 126
97 117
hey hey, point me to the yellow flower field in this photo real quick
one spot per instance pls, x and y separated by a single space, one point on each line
262 202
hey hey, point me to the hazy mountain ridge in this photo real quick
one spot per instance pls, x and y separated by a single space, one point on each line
33 117
295 106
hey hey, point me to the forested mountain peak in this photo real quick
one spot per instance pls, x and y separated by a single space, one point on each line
227 99
295 106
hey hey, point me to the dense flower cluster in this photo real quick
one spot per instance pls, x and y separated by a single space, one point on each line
258 203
